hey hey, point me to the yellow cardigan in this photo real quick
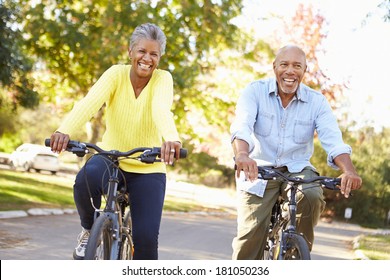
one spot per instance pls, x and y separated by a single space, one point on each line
130 122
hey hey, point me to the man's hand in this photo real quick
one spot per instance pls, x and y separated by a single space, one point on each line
350 181
247 165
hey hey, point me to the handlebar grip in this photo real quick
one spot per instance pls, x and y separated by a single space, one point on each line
183 153
71 143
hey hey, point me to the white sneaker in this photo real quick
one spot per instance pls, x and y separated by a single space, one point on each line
82 240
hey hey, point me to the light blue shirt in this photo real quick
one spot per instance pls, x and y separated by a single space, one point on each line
280 136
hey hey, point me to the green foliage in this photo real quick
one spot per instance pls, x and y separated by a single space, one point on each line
78 40
6 117
8 142
371 157
373 162
14 64
202 168
68 44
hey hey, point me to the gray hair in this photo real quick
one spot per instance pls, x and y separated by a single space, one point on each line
149 31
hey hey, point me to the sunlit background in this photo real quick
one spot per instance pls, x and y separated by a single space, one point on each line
356 49
52 52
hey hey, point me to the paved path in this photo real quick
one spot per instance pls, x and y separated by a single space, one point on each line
183 237
30 235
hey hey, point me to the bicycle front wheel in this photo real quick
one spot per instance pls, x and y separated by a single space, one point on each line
127 247
296 248
100 239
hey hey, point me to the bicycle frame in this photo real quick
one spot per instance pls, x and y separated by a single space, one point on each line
114 210
111 231
289 223
282 225
292 206
282 234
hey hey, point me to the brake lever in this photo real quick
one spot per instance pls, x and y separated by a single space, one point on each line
80 152
331 183
149 156
267 174
78 148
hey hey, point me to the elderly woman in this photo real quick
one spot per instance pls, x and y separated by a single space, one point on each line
138 99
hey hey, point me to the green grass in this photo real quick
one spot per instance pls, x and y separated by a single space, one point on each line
375 247
22 191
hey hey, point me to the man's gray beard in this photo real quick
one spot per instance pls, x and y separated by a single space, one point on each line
287 92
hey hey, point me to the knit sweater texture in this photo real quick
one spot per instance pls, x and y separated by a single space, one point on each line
130 122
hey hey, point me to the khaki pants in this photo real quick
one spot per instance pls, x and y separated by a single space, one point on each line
253 215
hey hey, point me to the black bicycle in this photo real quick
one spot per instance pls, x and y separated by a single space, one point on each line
283 241
111 234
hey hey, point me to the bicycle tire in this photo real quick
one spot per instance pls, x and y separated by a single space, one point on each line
272 248
100 240
296 248
268 252
127 246
266 255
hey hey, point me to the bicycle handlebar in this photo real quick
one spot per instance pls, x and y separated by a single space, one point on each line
148 155
270 173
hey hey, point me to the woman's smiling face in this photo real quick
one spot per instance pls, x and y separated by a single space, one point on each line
145 57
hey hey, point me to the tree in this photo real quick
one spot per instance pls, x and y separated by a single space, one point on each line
16 87
371 158
386 6
307 29
373 163
75 41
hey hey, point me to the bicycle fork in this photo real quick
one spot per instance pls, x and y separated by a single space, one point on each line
289 218
112 212
292 207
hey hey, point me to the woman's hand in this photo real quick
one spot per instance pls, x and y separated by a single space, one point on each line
58 142
168 151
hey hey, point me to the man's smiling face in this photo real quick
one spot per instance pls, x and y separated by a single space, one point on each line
289 68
